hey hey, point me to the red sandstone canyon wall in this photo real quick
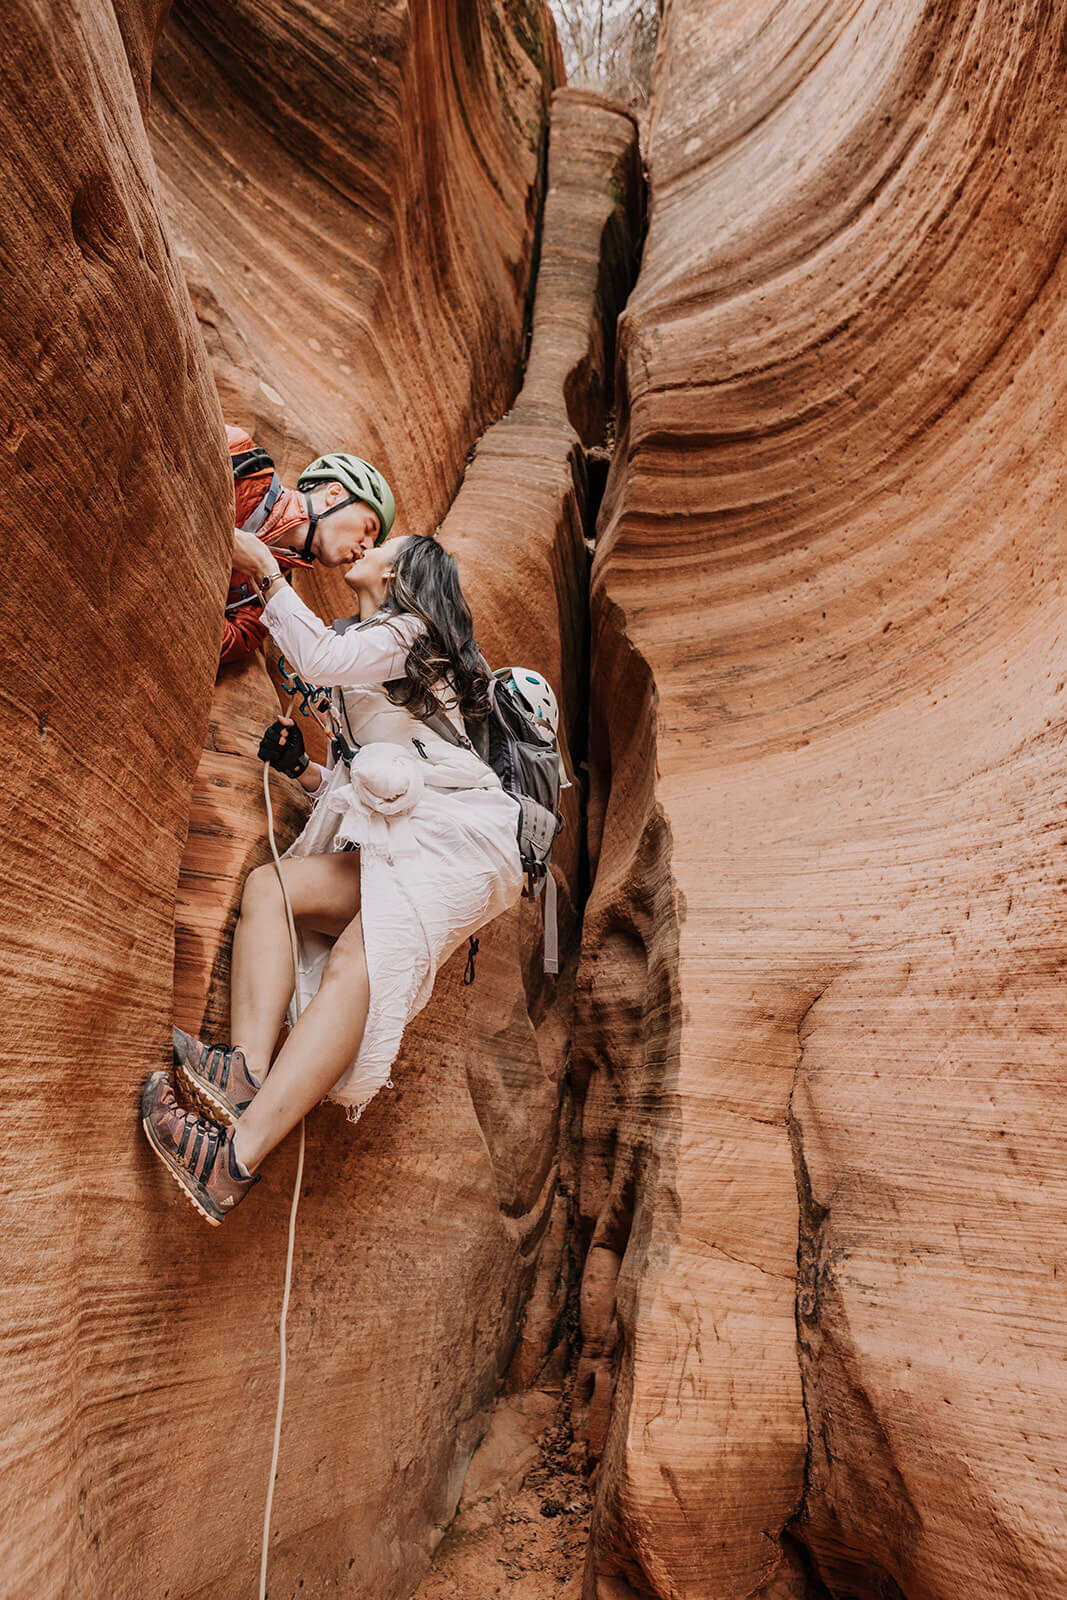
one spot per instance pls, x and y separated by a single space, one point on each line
816 1062
356 198
821 995
116 549
355 191
142 1349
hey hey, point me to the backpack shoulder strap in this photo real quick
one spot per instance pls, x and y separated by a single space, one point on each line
250 463
437 722
262 511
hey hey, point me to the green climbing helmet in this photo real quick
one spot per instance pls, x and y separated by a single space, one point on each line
362 481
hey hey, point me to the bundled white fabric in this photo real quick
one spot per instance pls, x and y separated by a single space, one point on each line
418 908
375 805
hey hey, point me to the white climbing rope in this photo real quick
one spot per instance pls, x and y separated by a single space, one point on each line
292 1209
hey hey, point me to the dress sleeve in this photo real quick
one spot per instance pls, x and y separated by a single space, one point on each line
341 660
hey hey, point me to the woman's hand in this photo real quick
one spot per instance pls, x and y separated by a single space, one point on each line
252 556
283 747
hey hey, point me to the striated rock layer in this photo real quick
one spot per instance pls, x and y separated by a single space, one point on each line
356 192
117 543
453 1177
824 1156
364 288
141 1347
518 529
356 199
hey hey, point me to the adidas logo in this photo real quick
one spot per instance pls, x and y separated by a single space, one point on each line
229 1200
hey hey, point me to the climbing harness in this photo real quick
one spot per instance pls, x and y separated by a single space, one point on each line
314 698
316 702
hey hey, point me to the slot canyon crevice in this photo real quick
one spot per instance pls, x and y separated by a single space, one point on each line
756 452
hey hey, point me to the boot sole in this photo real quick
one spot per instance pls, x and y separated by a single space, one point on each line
177 1174
204 1096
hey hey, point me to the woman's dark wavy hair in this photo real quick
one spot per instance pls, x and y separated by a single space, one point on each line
427 585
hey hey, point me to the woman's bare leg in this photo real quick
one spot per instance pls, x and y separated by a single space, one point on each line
316 1053
324 894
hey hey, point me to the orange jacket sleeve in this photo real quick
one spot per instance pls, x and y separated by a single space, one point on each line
242 632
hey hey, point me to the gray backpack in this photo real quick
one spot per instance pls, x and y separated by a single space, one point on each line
531 772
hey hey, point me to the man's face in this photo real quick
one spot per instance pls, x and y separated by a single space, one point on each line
344 535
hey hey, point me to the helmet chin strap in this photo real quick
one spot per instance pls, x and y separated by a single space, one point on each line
315 517
313 522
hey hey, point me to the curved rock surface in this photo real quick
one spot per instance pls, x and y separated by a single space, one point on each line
116 490
518 529
139 1346
356 192
356 199
824 1149
396 332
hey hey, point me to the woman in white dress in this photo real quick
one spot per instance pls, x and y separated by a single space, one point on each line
409 850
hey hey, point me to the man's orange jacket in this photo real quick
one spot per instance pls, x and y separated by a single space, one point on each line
242 631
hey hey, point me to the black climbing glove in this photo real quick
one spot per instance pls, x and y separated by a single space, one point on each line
286 755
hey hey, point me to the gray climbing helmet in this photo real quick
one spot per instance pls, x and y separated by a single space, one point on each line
362 481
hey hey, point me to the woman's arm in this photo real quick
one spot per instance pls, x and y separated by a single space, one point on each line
311 779
347 660
362 655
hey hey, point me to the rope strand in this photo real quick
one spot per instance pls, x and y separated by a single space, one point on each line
264 1553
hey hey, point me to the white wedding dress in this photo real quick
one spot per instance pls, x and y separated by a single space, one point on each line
435 831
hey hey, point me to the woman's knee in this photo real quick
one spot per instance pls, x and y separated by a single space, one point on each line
260 893
347 960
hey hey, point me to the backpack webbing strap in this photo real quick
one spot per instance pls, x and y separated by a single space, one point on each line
249 463
439 723
258 517
551 926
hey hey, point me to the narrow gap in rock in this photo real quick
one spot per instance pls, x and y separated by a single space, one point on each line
541 191
538 1531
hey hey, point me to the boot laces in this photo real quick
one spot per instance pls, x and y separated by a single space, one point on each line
212 1130
218 1058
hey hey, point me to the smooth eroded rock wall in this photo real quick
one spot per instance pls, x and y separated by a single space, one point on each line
518 528
356 193
116 543
141 1347
833 549
357 196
